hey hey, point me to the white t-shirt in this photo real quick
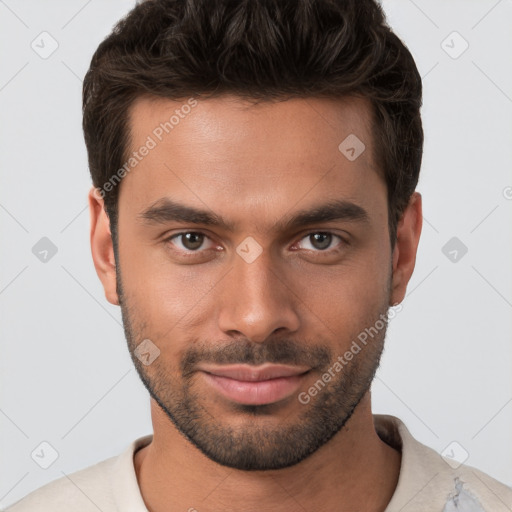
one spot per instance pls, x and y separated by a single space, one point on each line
427 482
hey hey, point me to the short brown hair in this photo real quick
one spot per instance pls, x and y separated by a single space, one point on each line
262 50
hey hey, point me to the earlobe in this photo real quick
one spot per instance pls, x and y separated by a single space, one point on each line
406 246
102 248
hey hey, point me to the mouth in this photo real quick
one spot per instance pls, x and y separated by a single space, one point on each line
254 385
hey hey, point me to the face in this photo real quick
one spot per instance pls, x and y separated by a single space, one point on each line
253 254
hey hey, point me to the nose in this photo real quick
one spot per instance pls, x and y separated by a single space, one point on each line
257 300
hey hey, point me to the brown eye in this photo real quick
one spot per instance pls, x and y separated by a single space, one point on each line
188 241
320 241
192 241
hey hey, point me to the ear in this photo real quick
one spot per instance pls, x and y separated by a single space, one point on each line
406 246
102 247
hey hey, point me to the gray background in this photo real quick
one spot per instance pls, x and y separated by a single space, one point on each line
66 377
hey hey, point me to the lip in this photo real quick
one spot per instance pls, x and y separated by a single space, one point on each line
254 385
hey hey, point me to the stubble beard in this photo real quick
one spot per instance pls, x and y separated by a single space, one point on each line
253 444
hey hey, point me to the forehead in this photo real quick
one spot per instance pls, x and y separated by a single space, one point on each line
232 120
231 154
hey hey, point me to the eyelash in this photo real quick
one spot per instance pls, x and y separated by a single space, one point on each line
189 252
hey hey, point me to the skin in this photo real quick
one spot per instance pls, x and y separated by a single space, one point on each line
255 165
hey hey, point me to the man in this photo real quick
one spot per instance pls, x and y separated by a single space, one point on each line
253 214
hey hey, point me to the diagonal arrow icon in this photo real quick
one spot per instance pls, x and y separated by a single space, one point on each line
147 352
249 249
44 455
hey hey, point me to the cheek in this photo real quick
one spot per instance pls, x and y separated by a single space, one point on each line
169 299
341 301
358 282
182 299
179 301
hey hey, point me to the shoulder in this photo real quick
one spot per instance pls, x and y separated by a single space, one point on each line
109 485
82 491
429 481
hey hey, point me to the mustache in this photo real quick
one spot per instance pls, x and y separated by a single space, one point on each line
283 351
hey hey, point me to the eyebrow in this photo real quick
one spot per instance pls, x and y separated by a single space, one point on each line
166 210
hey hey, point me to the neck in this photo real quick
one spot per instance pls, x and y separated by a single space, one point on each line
355 470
